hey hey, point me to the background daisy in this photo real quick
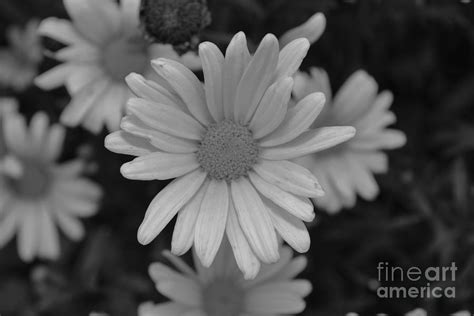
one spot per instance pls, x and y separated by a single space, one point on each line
36 194
347 170
104 44
19 61
220 289
228 144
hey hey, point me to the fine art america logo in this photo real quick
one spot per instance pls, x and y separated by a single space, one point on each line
415 282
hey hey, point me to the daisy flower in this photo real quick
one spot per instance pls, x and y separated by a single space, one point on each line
220 289
35 192
347 170
19 62
104 45
229 144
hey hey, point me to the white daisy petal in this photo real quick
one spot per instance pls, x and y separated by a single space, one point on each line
168 309
341 181
61 30
309 142
183 233
363 181
354 97
246 260
160 140
48 235
53 144
38 130
255 220
212 64
124 143
129 11
113 102
291 57
151 91
28 235
375 161
312 29
295 205
272 109
83 102
93 19
266 300
237 58
8 226
159 166
290 228
167 203
85 53
386 139
14 133
166 118
70 226
194 312
289 177
180 264
256 79
187 85
55 77
175 286
211 221
298 119
269 272
291 270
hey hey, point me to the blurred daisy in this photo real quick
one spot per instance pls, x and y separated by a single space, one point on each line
220 289
228 143
104 45
347 170
35 192
19 62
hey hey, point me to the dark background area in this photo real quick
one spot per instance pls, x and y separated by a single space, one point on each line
423 51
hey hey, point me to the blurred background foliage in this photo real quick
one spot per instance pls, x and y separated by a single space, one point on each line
421 50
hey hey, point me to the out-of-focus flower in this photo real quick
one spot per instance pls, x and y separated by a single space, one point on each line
19 62
104 45
35 192
175 22
228 143
347 170
422 312
8 105
220 289
312 30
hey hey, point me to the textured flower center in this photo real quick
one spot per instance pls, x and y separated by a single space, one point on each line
174 22
124 56
227 151
223 297
26 178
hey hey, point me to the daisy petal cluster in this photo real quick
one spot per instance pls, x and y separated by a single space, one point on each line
104 44
36 194
228 144
19 62
346 171
220 290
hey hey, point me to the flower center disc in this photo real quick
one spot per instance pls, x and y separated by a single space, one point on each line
227 151
34 181
124 56
222 298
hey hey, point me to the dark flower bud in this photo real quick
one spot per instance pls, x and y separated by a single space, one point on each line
175 22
